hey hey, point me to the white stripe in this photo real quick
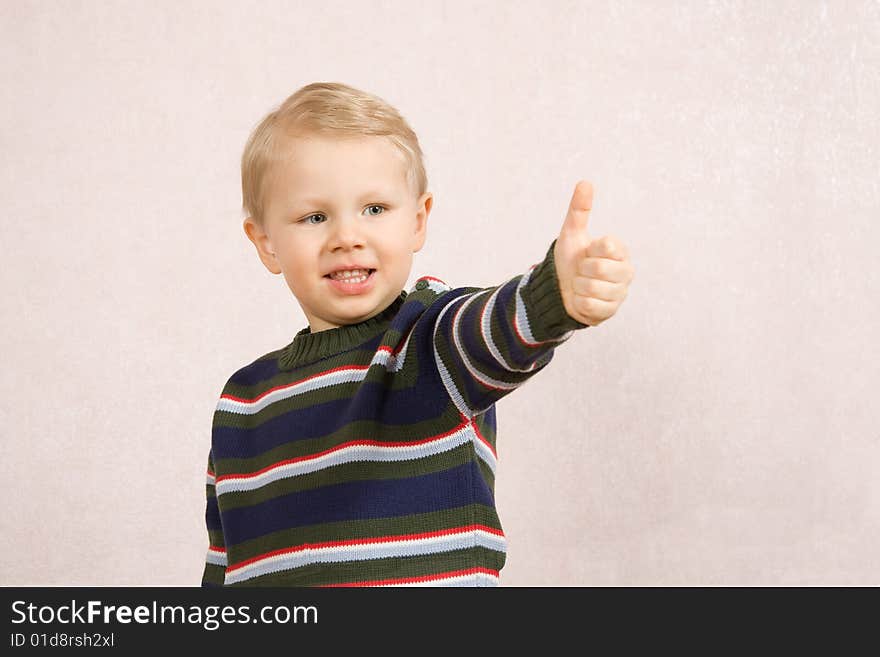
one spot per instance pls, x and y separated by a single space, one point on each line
349 454
451 390
368 551
486 330
485 453
216 557
392 363
474 372
436 286
521 320
345 375
382 357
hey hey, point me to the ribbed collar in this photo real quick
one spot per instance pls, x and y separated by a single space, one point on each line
308 347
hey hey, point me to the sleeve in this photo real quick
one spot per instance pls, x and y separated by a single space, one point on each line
489 341
215 560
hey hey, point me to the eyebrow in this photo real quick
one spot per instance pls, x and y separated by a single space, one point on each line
363 197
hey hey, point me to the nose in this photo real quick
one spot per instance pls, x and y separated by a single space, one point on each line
345 233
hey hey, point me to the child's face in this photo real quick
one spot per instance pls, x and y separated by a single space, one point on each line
335 203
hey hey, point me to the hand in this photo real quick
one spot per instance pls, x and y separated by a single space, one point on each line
594 274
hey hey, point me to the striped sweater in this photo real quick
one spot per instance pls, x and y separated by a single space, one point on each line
364 455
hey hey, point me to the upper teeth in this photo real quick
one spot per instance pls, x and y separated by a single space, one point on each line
351 273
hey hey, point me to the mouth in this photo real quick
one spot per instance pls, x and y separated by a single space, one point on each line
351 281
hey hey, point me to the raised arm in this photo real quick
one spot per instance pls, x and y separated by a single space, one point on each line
489 341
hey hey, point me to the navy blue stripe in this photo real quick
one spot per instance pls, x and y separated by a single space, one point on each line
426 400
411 311
373 401
452 359
359 500
212 514
520 355
477 350
490 420
259 370
476 395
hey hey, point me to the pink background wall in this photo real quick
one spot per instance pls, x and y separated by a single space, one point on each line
720 430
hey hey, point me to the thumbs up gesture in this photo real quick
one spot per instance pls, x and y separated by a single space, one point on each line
594 274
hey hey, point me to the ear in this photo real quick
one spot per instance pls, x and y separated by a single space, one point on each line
263 243
423 209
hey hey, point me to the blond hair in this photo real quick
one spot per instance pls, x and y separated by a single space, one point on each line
324 108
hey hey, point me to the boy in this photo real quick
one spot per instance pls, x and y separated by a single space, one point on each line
362 453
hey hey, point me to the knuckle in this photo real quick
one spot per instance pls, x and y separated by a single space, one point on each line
586 305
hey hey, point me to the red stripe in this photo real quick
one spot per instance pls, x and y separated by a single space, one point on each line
309 457
372 540
454 322
516 326
484 441
295 383
520 335
423 578
392 351
483 334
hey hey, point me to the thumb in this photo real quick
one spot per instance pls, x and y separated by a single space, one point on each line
578 216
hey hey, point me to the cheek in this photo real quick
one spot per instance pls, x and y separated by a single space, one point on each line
400 245
391 253
299 267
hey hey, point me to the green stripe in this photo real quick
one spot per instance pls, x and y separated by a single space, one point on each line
215 537
488 475
490 366
405 378
380 569
370 528
450 357
377 374
501 340
485 428
356 357
348 472
374 430
358 430
213 574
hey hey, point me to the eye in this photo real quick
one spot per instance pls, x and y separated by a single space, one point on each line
307 220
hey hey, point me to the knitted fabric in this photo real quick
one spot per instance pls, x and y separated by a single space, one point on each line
364 455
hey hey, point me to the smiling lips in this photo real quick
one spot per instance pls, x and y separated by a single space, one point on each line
351 275
352 281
